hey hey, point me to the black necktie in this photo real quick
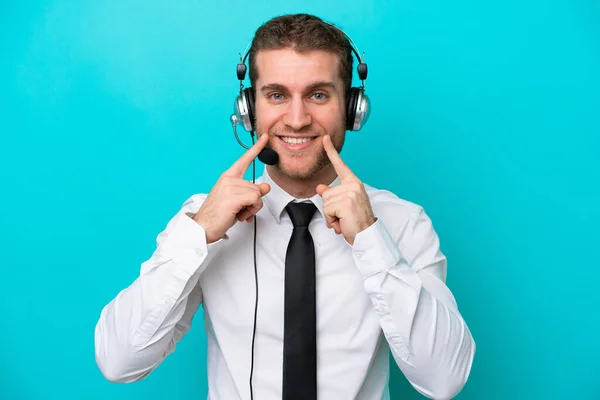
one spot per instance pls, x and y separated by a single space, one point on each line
300 325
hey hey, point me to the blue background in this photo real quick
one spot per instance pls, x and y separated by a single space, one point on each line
112 113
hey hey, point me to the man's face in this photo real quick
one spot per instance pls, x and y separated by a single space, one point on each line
299 99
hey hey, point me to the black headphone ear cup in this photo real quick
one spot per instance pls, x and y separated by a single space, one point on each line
351 108
249 93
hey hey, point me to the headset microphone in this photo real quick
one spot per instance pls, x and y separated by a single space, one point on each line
268 156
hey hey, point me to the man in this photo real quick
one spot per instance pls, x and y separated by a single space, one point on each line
379 270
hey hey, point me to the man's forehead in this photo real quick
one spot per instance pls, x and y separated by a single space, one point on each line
289 64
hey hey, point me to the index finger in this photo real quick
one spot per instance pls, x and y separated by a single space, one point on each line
338 164
241 165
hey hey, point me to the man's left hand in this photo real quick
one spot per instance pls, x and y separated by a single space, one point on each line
347 207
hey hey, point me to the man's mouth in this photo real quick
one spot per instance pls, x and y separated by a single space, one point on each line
296 140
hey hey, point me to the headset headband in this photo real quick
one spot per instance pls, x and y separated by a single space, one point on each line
361 68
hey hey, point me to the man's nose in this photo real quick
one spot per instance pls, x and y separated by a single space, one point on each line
297 115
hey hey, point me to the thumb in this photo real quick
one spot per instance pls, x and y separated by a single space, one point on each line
264 188
322 189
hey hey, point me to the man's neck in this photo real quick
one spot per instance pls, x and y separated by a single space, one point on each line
302 188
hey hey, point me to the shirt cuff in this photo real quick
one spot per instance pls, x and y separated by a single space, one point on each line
374 250
187 243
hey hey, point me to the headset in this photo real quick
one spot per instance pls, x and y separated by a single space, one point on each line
358 105
358 108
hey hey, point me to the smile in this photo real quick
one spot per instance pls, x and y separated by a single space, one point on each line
296 143
293 140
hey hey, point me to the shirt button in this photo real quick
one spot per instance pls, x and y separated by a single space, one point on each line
381 308
199 253
169 301
358 255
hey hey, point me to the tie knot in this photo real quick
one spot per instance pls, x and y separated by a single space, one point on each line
300 213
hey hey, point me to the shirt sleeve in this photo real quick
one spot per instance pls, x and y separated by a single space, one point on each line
141 326
405 279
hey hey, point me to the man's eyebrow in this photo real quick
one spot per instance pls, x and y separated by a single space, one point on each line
272 86
321 85
311 87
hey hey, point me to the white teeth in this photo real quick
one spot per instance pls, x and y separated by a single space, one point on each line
291 140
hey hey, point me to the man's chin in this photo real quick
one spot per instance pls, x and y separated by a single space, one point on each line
300 171
294 172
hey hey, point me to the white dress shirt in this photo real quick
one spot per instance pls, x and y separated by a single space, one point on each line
387 291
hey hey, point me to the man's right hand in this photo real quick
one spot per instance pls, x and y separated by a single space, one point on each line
232 198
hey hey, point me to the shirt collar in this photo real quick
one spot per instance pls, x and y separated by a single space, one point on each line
277 198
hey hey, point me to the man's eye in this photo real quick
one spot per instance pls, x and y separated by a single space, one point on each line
320 96
276 96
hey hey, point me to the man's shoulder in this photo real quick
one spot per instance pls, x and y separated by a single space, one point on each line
386 201
406 221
